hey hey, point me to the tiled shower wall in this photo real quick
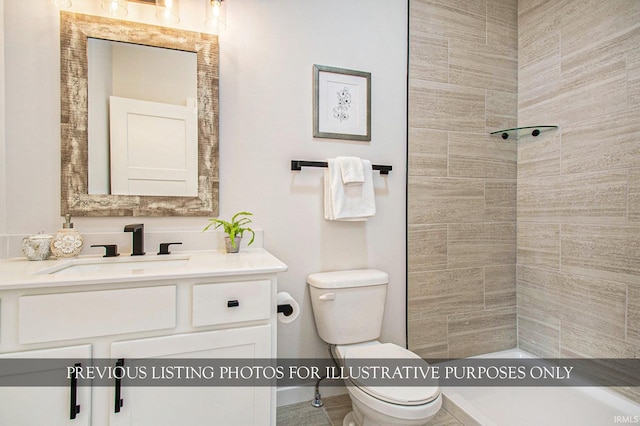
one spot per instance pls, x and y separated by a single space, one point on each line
579 188
462 183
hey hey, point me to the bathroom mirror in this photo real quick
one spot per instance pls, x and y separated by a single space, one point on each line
76 199
142 127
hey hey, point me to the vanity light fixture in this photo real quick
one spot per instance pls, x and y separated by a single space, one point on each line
168 11
62 4
216 15
116 7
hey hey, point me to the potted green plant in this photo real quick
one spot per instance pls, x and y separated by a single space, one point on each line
234 229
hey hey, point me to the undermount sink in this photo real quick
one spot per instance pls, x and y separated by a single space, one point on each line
117 265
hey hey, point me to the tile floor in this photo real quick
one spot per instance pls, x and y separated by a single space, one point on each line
334 410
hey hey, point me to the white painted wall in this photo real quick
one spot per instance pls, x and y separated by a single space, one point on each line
267 56
266 60
3 168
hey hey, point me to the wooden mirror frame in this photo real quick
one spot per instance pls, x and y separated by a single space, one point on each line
75 29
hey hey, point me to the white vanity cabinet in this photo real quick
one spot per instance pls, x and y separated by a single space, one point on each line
194 405
47 405
218 309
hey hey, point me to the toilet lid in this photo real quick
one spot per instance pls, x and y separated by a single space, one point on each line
402 395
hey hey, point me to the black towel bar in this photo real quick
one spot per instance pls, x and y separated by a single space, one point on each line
299 164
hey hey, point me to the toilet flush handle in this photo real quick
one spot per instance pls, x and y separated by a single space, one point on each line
327 296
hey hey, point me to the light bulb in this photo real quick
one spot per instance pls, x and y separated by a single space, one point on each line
115 7
168 11
215 15
62 4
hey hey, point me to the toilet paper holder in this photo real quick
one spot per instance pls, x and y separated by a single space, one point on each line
285 309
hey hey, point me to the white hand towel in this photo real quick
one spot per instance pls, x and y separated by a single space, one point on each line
351 170
348 203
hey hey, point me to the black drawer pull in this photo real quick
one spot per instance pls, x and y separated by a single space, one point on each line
119 402
75 407
233 304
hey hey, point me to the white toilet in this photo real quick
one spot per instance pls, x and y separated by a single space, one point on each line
348 307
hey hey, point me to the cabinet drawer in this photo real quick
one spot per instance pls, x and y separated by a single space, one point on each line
231 302
52 317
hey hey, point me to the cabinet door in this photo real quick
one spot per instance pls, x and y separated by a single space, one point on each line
194 405
43 405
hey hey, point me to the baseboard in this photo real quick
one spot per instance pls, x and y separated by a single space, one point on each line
295 394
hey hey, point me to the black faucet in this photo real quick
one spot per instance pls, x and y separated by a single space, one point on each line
111 250
138 238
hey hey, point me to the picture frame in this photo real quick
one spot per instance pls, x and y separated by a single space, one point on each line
341 103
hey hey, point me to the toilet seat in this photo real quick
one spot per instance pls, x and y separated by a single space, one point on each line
398 395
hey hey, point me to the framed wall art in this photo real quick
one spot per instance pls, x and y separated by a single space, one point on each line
341 103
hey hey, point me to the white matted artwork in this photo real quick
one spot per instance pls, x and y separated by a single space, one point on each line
341 103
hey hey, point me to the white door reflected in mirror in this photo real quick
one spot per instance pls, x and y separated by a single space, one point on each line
154 148
142 128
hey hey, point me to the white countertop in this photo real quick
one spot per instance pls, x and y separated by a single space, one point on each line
20 273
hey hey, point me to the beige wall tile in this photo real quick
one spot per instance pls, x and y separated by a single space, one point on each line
428 152
457 95
483 244
598 22
633 77
634 195
579 198
579 341
540 156
539 245
536 18
500 200
539 294
501 110
485 67
592 65
604 143
538 71
427 247
577 69
428 57
633 314
538 337
602 97
597 304
445 200
447 292
499 286
502 24
428 336
442 106
591 81
482 332
479 155
606 252
460 20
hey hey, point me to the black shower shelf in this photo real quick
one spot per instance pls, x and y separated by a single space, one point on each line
522 131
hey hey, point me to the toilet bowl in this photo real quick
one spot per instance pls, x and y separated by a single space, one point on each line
387 405
348 307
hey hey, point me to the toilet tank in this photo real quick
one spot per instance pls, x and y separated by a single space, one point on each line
348 306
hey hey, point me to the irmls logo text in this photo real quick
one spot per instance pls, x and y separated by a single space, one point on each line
626 419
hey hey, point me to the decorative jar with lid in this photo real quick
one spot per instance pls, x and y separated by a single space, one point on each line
67 242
